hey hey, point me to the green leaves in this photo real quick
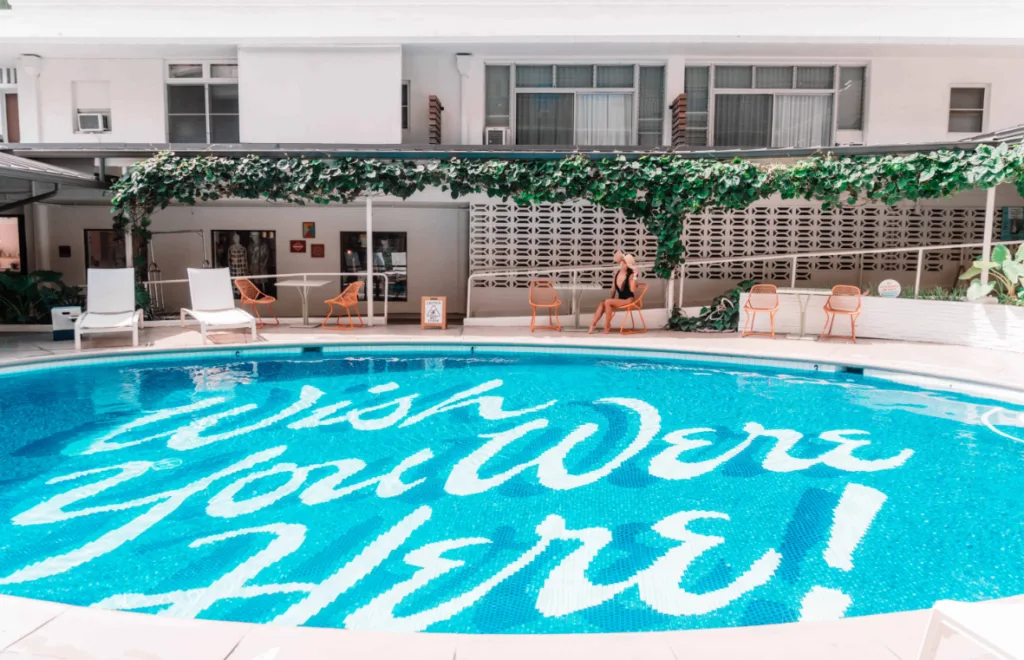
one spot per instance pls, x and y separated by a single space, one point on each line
658 190
977 290
29 298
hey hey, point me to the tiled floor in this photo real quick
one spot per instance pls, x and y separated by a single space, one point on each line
31 629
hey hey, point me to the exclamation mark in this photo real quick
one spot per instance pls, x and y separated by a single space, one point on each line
851 520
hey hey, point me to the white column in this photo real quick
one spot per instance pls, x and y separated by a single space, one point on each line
990 213
463 61
29 118
42 239
369 261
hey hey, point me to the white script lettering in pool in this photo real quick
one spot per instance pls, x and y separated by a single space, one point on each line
565 590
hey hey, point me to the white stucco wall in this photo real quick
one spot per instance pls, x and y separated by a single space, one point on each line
342 95
437 238
908 99
136 88
353 95
431 72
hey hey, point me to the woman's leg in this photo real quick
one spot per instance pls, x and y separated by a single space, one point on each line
609 311
597 316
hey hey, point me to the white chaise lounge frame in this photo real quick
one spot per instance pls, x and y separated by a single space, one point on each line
995 625
213 304
109 305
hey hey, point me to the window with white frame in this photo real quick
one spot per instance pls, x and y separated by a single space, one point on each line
405 105
967 108
202 102
576 104
772 106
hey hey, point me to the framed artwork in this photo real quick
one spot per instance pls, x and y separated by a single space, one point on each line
309 230
434 312
316 250
245 253
1013 224
298 246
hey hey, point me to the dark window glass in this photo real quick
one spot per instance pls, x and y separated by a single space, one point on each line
186 99
224 99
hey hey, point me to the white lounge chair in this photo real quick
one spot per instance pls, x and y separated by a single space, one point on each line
109 305
995 625
213 303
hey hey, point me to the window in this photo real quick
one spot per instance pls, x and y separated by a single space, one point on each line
967 109
577 104
851 99
390 255
405 105
202 103
772 106
104 248
12 244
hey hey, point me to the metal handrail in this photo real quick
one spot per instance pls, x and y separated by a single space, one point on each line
680 271
304 276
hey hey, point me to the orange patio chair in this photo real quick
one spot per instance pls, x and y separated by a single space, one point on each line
844 301
251 295
346 300
544 296
762 298
636 306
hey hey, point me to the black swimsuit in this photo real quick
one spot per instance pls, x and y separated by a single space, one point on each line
625 292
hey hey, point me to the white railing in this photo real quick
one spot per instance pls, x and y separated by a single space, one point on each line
574 271
796 257
151 285
680 271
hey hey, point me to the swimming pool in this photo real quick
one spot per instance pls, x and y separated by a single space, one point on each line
499 490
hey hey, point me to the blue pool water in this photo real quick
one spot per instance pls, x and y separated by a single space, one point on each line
501 491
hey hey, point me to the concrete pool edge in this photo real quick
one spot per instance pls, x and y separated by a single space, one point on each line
40 629
925 376
44 629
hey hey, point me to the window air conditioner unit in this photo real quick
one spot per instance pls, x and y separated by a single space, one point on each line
93 122
496 137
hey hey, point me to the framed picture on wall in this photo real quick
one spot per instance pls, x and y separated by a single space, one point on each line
1013 224
309 230
316 250
247 253
390 255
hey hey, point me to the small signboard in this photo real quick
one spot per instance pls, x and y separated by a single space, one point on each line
889 289
434 312
298 246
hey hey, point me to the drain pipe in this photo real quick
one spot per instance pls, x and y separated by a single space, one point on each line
30 200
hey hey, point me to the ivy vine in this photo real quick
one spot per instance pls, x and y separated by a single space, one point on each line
658 190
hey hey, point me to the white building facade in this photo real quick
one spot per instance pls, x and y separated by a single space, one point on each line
527 75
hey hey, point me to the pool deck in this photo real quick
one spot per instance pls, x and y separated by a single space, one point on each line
41 630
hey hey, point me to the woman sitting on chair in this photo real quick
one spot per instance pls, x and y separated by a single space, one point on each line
623 286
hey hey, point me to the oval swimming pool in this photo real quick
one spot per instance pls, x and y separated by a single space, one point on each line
498 490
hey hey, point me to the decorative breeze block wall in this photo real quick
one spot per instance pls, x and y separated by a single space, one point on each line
506 236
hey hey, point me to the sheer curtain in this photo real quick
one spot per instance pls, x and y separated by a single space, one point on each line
802 121
743 120
604 119
544 119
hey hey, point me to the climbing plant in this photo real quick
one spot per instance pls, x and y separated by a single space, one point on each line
722 315
658 190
